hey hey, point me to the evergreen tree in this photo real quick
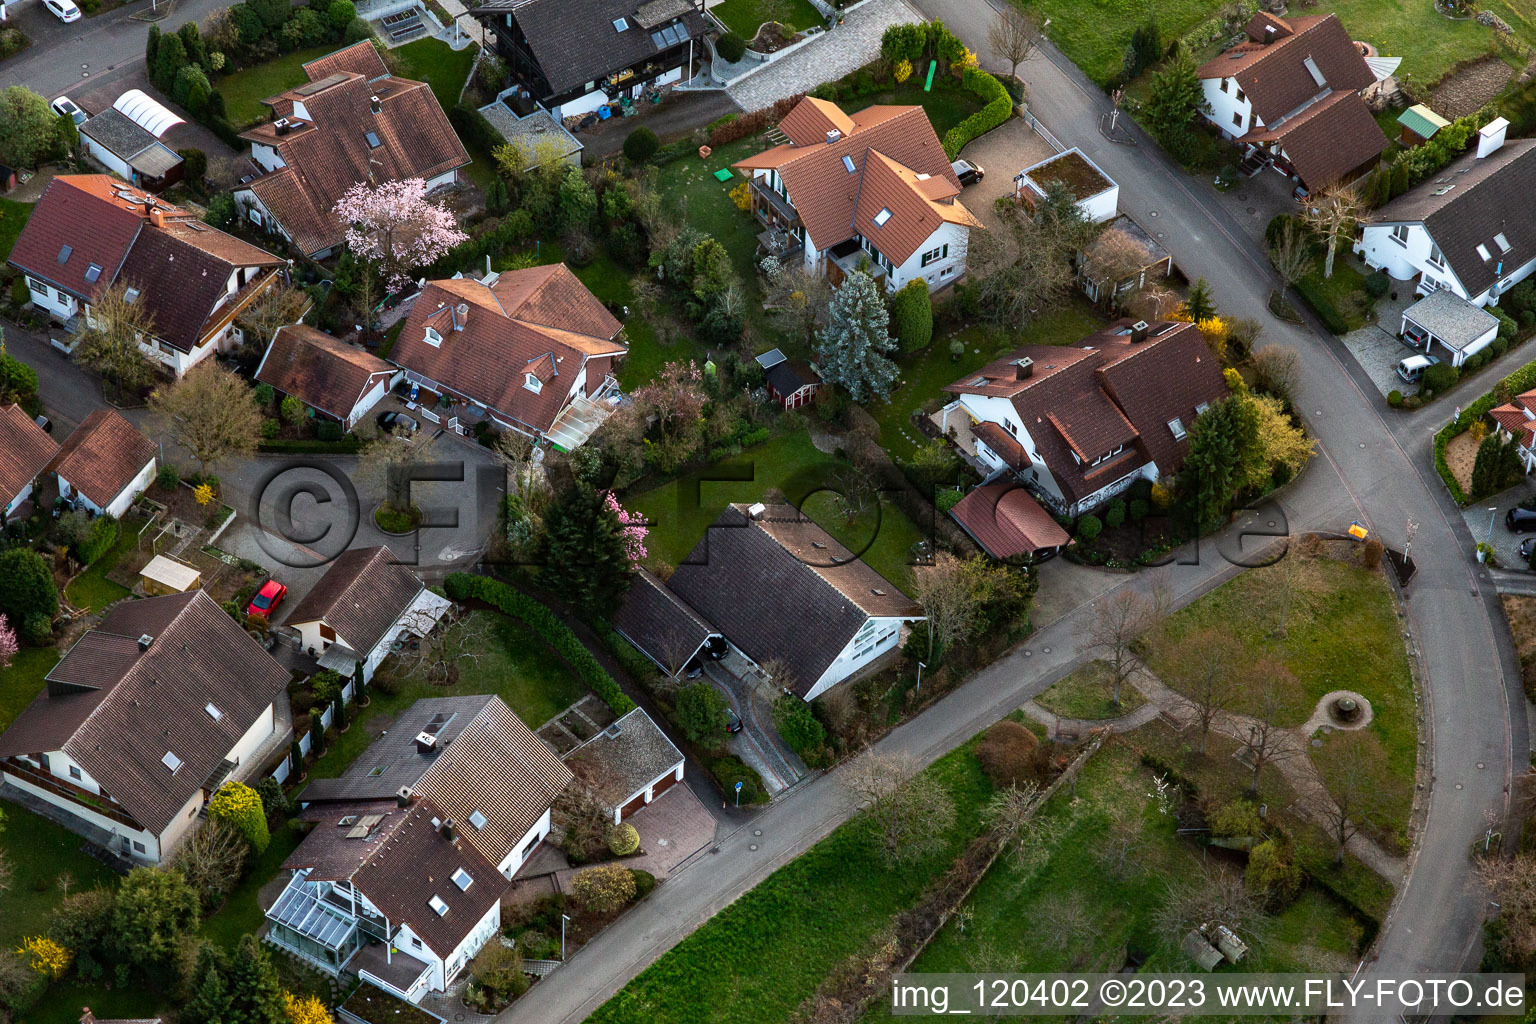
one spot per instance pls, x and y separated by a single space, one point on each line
192 39
1498 461
170 58
497 199
850 348
255 996
1222 442
1399 177
1174 101
151 47
582 552
1199 305
210 1000
1144 50
912 316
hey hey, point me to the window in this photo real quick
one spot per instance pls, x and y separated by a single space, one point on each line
477 819
620 24
93 273
38 286
883 216
415 942
1009 426
64 254
1177 426
138 847
74 772
532 383
438 906
172 762
1240 95
213 712
1436 256
1200 409
1237 119
1400 234
1224 82
462 880
933 255
131 296
1315 72
848 164
431 337
373 140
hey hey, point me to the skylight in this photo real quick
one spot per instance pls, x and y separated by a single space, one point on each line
64 254
1176 425
848 163
93 272
462 880
620 24
437 904
1501 242
1482 250
477 819
213 712
1317 75
131 296
883 216
172 762
373 140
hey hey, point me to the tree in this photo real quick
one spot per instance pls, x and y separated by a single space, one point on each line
578 201
309 1009
210 412
1354 769
28 595
798 301
18 381
1174 101
1511 936
1331 213
1498 461
851 348
604 889
29 131
385 460
237 805
155 909
279 305
1290 253
584 555
1276 369
912 314
170 58
1280 441
255 997
701 714
1013 36
69 135
1121 617
1024 266
1112 258
1198 306
17 982
1010 755
1222 443
442 652
115 328
669 406
952 592
640 145
909 813
396 225
1267 741
212 860
8 645
1144 50
151 46
191 88
1211 893
1207 688
342 13
731 47
210 1002
497 197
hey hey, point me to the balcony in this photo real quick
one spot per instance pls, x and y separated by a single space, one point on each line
772 209
849 256
780 243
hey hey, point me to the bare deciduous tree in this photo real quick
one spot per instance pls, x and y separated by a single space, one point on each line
440 648
1214 895
1154 302
910 813
276 307
210 412
855 493
1354 768
1290 253
1331 213
1118 620
1276 370
798 301
1268 742
1024 268
1512 883
1013 36
384 459
7 873
1206 686
116 325
1111 259
950 598
211 861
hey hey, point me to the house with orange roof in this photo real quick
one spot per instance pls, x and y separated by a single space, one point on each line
1516 418
872 190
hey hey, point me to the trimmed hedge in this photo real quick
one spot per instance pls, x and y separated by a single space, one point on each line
1523 379
461 586
1331 317
103 534
348 445
729 770
999 107
473 128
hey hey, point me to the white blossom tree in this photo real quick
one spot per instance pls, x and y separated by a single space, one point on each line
395 225
850 349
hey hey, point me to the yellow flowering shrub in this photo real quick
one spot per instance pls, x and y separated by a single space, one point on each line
902 71
305 1009
46 956
203 493
741 195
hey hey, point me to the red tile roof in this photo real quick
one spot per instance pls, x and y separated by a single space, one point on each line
918 206
103 456
1328 140
1275 76
24 451
1512 416
321 371
1006 521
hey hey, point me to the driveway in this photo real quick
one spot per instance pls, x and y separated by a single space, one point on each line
1002 153
1506 545
758 743
68 393
1377 349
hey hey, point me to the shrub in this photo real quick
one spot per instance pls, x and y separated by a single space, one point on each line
800 728
195 163
1376 284
730 770
1508 326
238 806
98 541
604 888
328 430
1010 754
1325 310
701 714
473 128
645 883
623 840
498 970
1137 509
1089 528
640 145
731 47
1114 515
1236 818
1395 398
1273 872
912 316
273 800
998 108
270 428
1438 379
948 499
27 592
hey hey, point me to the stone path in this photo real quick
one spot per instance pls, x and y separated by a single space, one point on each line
830 56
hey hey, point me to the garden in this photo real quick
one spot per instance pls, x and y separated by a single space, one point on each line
744 17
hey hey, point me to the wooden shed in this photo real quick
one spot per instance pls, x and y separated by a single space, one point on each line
1419 124
167 576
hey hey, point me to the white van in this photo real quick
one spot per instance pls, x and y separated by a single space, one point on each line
1412 368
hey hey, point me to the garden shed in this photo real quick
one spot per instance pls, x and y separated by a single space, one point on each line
167 576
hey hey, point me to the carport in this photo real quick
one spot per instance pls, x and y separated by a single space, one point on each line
1446 319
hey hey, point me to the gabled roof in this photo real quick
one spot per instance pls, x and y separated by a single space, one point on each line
361 596
1006 521
1518 417
1275 75
623 758
1469 204
332 144
24 451
827 194
1332 137
660 623
118 710
541 320
780 587
321 371
1421 120
103 455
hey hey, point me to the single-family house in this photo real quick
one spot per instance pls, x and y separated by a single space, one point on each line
778 589
1008 523
575 57
364 605
628 764
118 144
1095 193
1418 124
390 890
105 464
339 381
1078 424
1516 418
351 122
791 382
1446 324
872 190
25 451
1123 259
1468 229
474 761
531 349
90 232
1289 96
143 719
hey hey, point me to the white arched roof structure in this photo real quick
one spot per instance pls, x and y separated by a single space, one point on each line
146 112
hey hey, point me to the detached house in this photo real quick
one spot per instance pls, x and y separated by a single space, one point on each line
105 464
532 350
25 451
145 717
872 190
90 232
1079 424
352 121
1517 419
1289 95
339 381
775 587
1469 230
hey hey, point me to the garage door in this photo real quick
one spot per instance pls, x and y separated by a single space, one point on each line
631 807
662 786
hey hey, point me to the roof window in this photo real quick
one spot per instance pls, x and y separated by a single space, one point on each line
883 216
532 383
1317 75
213 712
1482 250
438 906
131 296
1502 242
432 338
477 819
1176 425
462 880
172 762
373 140
93 273
64 254
620 24
848 163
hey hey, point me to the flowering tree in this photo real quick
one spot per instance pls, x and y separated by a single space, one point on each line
46 956
395 225
305 1009
674 402
8 644
632 529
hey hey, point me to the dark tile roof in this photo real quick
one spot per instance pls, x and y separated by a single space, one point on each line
25 450
660 623
119 710
321 371
98 233
103 455
362 595
333 851
1275 75
1163 377
781 587
392 760
788 376
575 41
1479 198
622 758
1006 521
1328 140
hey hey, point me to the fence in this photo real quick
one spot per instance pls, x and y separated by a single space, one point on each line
1044 132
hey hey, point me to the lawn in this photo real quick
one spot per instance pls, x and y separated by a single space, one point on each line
245 89
24 680
517 666
744 17
436 63
91 589
946 104
40 853
688 189
1085 694
241 913
682 510
13 217
1342 632
924 374
1344 291
760 956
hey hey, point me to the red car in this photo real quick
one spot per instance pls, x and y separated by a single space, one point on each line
267 599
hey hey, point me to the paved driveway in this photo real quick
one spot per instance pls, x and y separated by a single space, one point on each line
1002 153
1377 349
1506 545
758 744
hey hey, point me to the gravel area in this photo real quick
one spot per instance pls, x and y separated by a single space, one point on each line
1471 87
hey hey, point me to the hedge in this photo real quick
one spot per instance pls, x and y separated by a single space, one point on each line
1523 379
103 534
729 770
473 128
999 107
461 586
348 445
1331 317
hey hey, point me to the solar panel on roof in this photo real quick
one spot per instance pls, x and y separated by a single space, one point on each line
64 254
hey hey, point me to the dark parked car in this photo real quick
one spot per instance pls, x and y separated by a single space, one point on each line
388 421
1526 547
732 721
1520 520
967 172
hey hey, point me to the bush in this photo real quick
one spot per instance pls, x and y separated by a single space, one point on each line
1273 873
498 971
1010 754
328 430
98 541
604 888
195 164
1508 325
731 47
640 145
999 107
273 800
730 770
238 806
1438 379
623 840
1089 528
645 883
1114 514
27 592
805 735
948 499
1325 310
1237 818
912 316
1376 284
1137 509
1395 398
701 713
473 128
270 428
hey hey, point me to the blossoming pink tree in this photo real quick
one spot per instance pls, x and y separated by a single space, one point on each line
8 645
397 226
633 530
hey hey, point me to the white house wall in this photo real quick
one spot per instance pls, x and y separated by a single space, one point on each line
484 930
123 499
145 838
513 861
106 158
254 737
54 300
1233 116
21 496
887 629
941 272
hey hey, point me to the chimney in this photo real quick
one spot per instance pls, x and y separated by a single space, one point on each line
755 511
426 743
833 134
403 796
1139 330
460 316
448 830
374 104
144 641
1023 368
157 216
1490 136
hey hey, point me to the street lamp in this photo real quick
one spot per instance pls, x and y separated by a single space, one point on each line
919 687
563 919
1483 557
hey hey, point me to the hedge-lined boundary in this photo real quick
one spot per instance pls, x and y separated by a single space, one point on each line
461 586
1330 316
1523 379
999 107
348 445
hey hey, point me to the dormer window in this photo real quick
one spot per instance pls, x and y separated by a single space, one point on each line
431 337
532 383
883 216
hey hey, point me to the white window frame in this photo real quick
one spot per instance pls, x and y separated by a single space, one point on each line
1400 234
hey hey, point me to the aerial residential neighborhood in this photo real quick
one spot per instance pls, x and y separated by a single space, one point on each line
698 511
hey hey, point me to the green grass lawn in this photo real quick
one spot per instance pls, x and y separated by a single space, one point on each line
946 104
241 913
245 89
745 16
436 63
793 465
39 853
13 217
688 189
24 680
1342 632
1339 291
517 666
924 374
760 956
1085 694
91 589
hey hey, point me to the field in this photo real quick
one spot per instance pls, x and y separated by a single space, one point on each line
1085 694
